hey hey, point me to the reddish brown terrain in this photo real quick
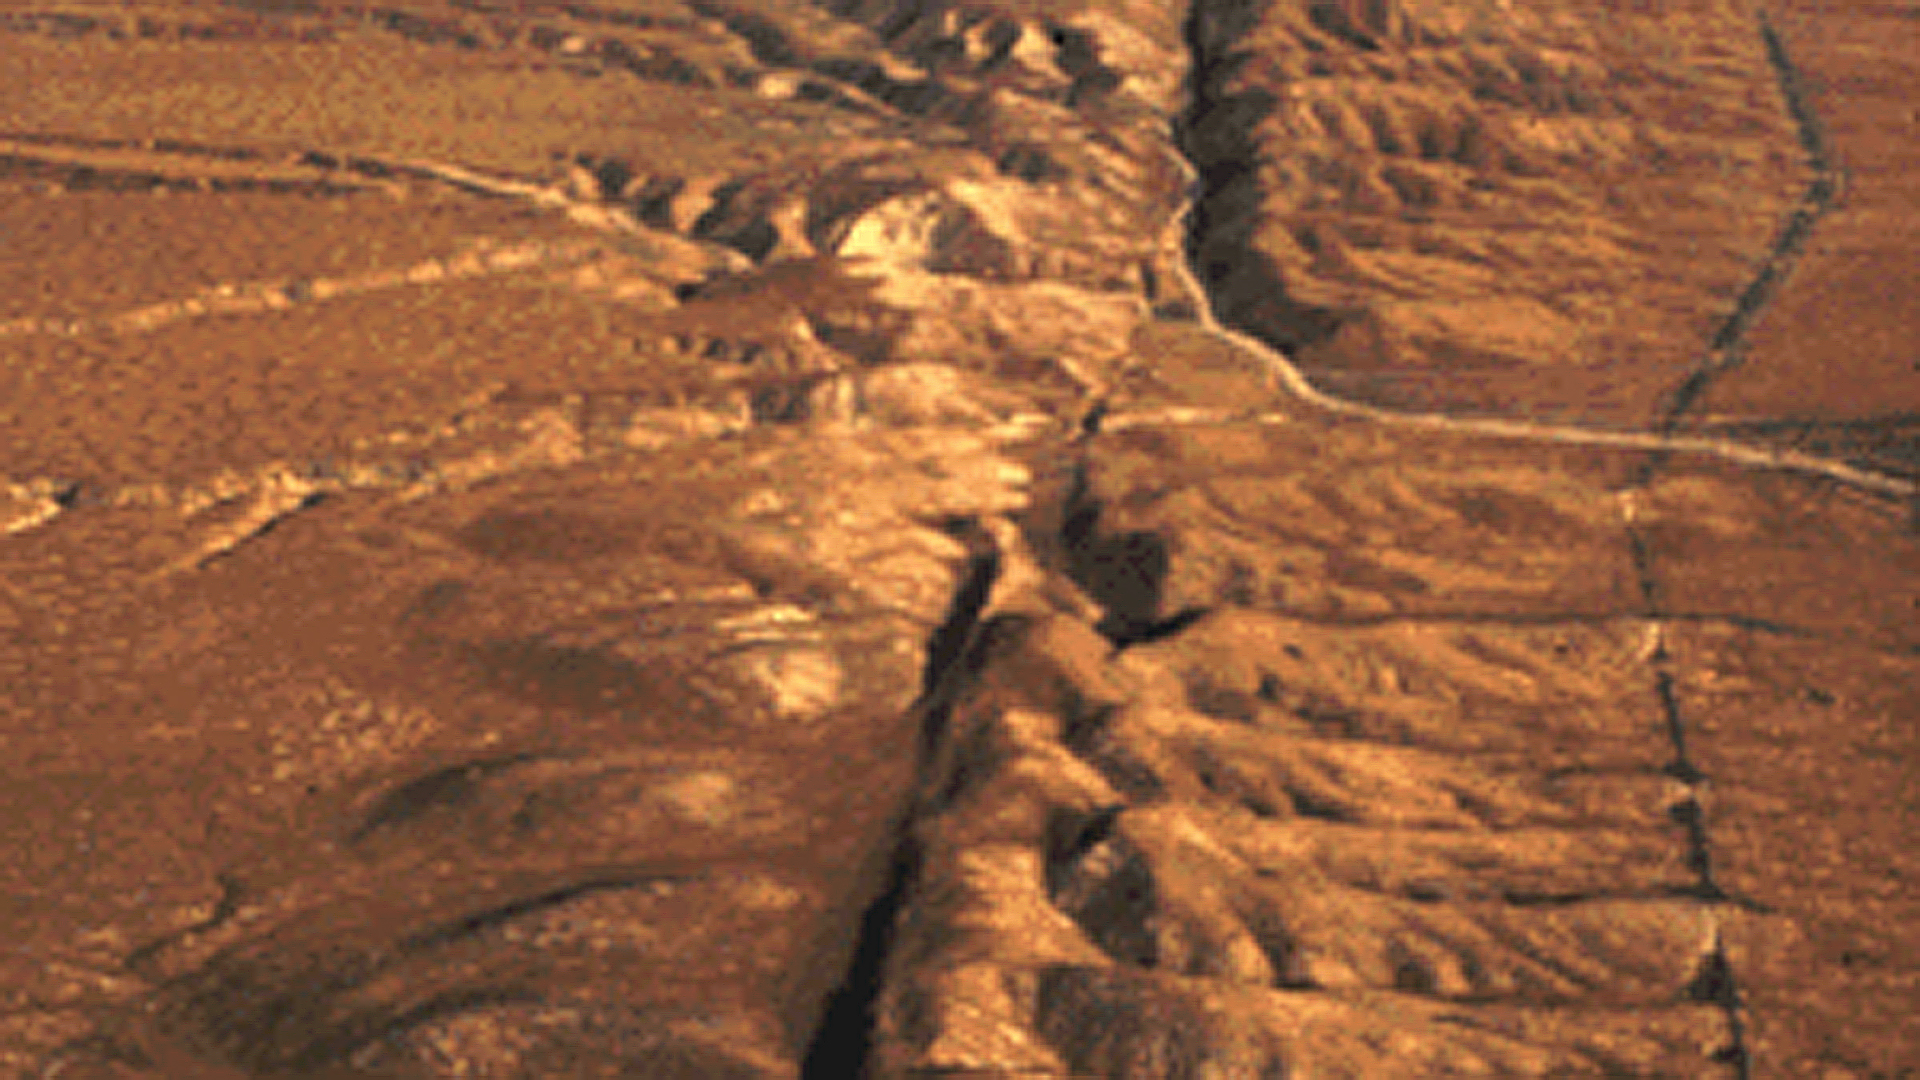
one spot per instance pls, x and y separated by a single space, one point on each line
1833 364
769 538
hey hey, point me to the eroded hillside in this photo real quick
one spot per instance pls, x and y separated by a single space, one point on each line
725 538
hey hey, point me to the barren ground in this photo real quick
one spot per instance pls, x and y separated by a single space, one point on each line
711 538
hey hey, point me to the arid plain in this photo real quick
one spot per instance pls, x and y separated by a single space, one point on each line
991 538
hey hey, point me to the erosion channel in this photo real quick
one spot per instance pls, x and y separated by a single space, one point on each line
1101 538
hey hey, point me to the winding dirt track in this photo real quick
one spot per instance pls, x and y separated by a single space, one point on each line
830 594
1724 352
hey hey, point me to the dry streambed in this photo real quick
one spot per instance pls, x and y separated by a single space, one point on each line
725 539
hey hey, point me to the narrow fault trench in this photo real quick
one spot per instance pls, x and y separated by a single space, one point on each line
1726 350
1717 981
843 1043
1209 45
840 1045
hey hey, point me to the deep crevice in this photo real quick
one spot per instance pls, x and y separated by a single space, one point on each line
843 1041
1124 572
1125 632
1215 134
948 643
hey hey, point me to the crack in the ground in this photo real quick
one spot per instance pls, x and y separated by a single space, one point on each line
1192 216
842 1042
259 297
1716 982
1725 350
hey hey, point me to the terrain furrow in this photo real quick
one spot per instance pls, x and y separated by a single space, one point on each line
258 297
1824 189
858 538
1110 925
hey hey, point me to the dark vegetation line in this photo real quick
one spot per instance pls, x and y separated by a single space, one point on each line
1716 981
1725 351
1807 122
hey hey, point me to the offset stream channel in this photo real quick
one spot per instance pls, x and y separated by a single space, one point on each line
832 596
1210 37
1718 982
1211 33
